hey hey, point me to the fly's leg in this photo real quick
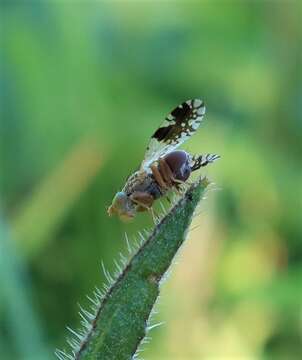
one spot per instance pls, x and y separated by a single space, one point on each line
167 174
154 215
158 177
143 200
164 178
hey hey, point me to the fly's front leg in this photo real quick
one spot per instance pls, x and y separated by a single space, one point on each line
165 172
143 200
168 175
158 177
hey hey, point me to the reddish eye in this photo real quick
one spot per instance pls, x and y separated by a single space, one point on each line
178 162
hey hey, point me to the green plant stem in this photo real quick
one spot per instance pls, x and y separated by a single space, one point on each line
121 320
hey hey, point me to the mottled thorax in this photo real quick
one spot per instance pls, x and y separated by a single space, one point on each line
144 182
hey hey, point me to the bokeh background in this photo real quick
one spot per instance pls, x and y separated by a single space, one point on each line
83 86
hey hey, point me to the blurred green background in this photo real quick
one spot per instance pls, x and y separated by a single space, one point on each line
83 86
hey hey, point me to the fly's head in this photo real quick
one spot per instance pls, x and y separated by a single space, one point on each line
122 206
179 163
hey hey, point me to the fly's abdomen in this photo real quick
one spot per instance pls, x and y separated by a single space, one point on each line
154 189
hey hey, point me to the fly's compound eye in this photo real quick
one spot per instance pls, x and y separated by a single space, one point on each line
179 164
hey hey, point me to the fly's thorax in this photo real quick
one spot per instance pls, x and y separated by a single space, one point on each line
151 187
143 181
136 182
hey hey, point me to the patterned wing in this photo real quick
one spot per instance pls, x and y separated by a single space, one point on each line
197 161
178 127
